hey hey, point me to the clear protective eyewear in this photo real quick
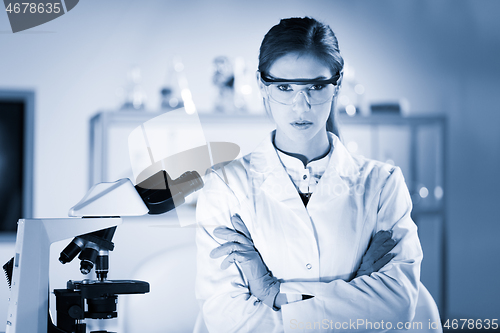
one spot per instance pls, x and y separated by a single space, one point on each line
286 91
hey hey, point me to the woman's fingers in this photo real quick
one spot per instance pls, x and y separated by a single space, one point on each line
381 237
239 246
367 268
239 225
235 256
380 244
228 248
384 249
383 261
231 235
377 240
377 255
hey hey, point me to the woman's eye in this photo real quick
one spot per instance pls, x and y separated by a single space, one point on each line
284 87
317 87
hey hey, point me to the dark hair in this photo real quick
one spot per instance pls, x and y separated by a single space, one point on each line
303 35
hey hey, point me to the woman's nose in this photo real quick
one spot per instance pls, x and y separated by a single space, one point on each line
301 102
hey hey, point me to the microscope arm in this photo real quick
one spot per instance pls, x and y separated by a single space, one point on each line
157 194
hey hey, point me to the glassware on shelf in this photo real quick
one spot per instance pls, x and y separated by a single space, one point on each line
168 100
223 79
135 98
175 92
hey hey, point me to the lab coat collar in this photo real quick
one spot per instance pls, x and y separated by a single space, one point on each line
265 160
270 176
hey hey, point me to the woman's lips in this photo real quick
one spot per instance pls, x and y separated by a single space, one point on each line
302 124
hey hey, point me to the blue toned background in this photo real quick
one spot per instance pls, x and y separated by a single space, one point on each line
442 56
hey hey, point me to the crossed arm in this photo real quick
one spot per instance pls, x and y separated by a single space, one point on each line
262 284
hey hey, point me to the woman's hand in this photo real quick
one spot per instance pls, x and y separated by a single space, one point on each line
240 248
377 255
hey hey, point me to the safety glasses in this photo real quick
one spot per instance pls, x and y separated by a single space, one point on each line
286 91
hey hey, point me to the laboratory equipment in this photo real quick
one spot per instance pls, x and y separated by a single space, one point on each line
93 221
168 100
175 91
135 98
223 79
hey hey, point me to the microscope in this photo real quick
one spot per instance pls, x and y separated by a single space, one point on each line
94 219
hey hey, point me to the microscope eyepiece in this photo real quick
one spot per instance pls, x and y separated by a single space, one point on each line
161 194
188 182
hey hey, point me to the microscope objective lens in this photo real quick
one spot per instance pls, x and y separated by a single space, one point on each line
70 252
88 258
102 265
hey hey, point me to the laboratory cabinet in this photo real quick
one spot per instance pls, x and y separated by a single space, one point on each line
418 146
415 144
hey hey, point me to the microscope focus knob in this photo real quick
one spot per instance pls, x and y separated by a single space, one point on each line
76 312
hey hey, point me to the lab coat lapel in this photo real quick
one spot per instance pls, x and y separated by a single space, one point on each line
270 176
339 176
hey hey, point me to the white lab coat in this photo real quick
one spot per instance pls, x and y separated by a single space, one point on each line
315 250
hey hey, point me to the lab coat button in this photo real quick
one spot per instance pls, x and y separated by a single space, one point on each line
305 177
308 266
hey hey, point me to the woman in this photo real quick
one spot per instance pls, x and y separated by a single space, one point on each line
297 215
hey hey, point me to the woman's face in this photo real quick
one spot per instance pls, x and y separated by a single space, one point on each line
299 123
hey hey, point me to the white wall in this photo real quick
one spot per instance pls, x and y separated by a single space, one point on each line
437 54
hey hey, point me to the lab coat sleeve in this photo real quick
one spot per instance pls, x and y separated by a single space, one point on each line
226 303
389 294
